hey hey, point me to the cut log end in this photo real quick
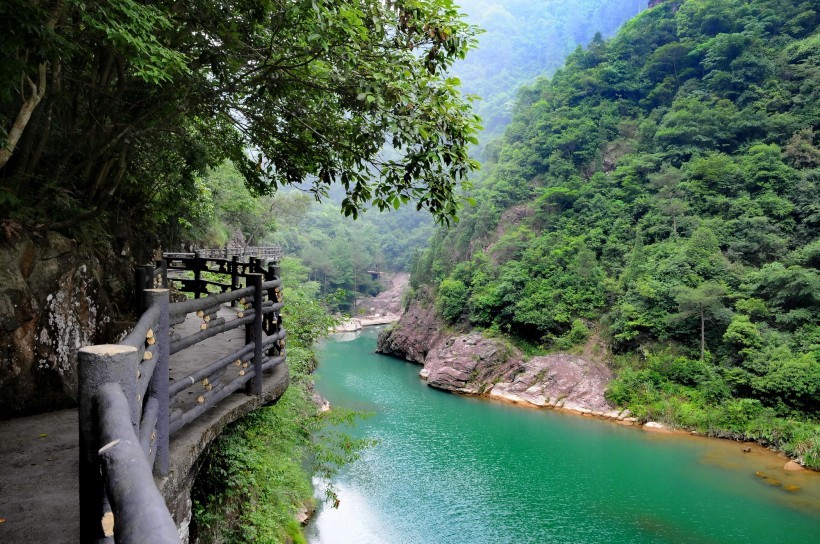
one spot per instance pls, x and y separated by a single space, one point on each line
108 446
108 349
108 524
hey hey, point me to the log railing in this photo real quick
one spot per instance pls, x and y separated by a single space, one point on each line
129 410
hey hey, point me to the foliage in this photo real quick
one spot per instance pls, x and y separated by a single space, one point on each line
452 296
110 111
525 40
662 186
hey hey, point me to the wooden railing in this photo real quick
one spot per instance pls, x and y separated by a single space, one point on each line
189 270
128 408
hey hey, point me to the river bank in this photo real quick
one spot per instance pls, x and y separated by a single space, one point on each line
458 469
491 367
383 309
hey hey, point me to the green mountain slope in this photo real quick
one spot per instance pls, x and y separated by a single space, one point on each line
525 39
663 190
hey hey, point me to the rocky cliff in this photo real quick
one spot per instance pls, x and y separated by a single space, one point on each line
412 338
51 304
475 365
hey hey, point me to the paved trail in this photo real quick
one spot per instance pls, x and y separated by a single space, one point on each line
39 456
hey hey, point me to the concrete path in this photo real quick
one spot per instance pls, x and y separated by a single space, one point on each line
39 455
39 490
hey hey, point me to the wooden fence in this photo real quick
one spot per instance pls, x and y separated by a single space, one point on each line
128 408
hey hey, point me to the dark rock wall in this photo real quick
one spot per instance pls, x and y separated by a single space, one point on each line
51 304
414 336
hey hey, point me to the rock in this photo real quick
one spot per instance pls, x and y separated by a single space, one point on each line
471 364
656 427
51 304
304 514
320 402
414 335
561 381
350 325
793 466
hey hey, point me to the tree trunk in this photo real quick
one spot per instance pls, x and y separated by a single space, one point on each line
702 337
38 90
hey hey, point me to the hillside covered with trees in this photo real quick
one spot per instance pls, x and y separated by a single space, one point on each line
525 39
518 41
660 194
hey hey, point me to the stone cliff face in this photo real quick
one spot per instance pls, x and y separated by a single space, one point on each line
474 365
559 381
414 335
469 364
50 306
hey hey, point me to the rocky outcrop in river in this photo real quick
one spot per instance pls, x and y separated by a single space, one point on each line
475 365
412 338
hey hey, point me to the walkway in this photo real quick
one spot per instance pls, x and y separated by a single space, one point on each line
39 455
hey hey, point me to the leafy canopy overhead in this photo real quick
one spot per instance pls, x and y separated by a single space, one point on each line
130 101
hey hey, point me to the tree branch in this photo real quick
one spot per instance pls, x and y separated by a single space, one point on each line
37 92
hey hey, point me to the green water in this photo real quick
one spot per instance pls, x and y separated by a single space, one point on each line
452 469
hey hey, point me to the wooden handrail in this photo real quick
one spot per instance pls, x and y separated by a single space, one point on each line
125 397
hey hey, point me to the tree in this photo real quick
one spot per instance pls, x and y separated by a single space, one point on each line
669 194
705 302
289 91
703 252
452 297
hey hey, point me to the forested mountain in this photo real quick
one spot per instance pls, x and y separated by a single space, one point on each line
662 192
525 39
521 39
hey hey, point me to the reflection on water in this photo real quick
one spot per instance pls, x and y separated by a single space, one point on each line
452 469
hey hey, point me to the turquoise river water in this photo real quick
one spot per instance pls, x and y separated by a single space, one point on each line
452 469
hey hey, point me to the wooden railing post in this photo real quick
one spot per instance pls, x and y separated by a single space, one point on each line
140 278
256 280
271 320
108 363
234 276
162 264
159 382
198 266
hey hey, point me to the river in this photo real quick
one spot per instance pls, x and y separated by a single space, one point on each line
457 470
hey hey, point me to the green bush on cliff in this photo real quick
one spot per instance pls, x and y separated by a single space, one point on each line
705 405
